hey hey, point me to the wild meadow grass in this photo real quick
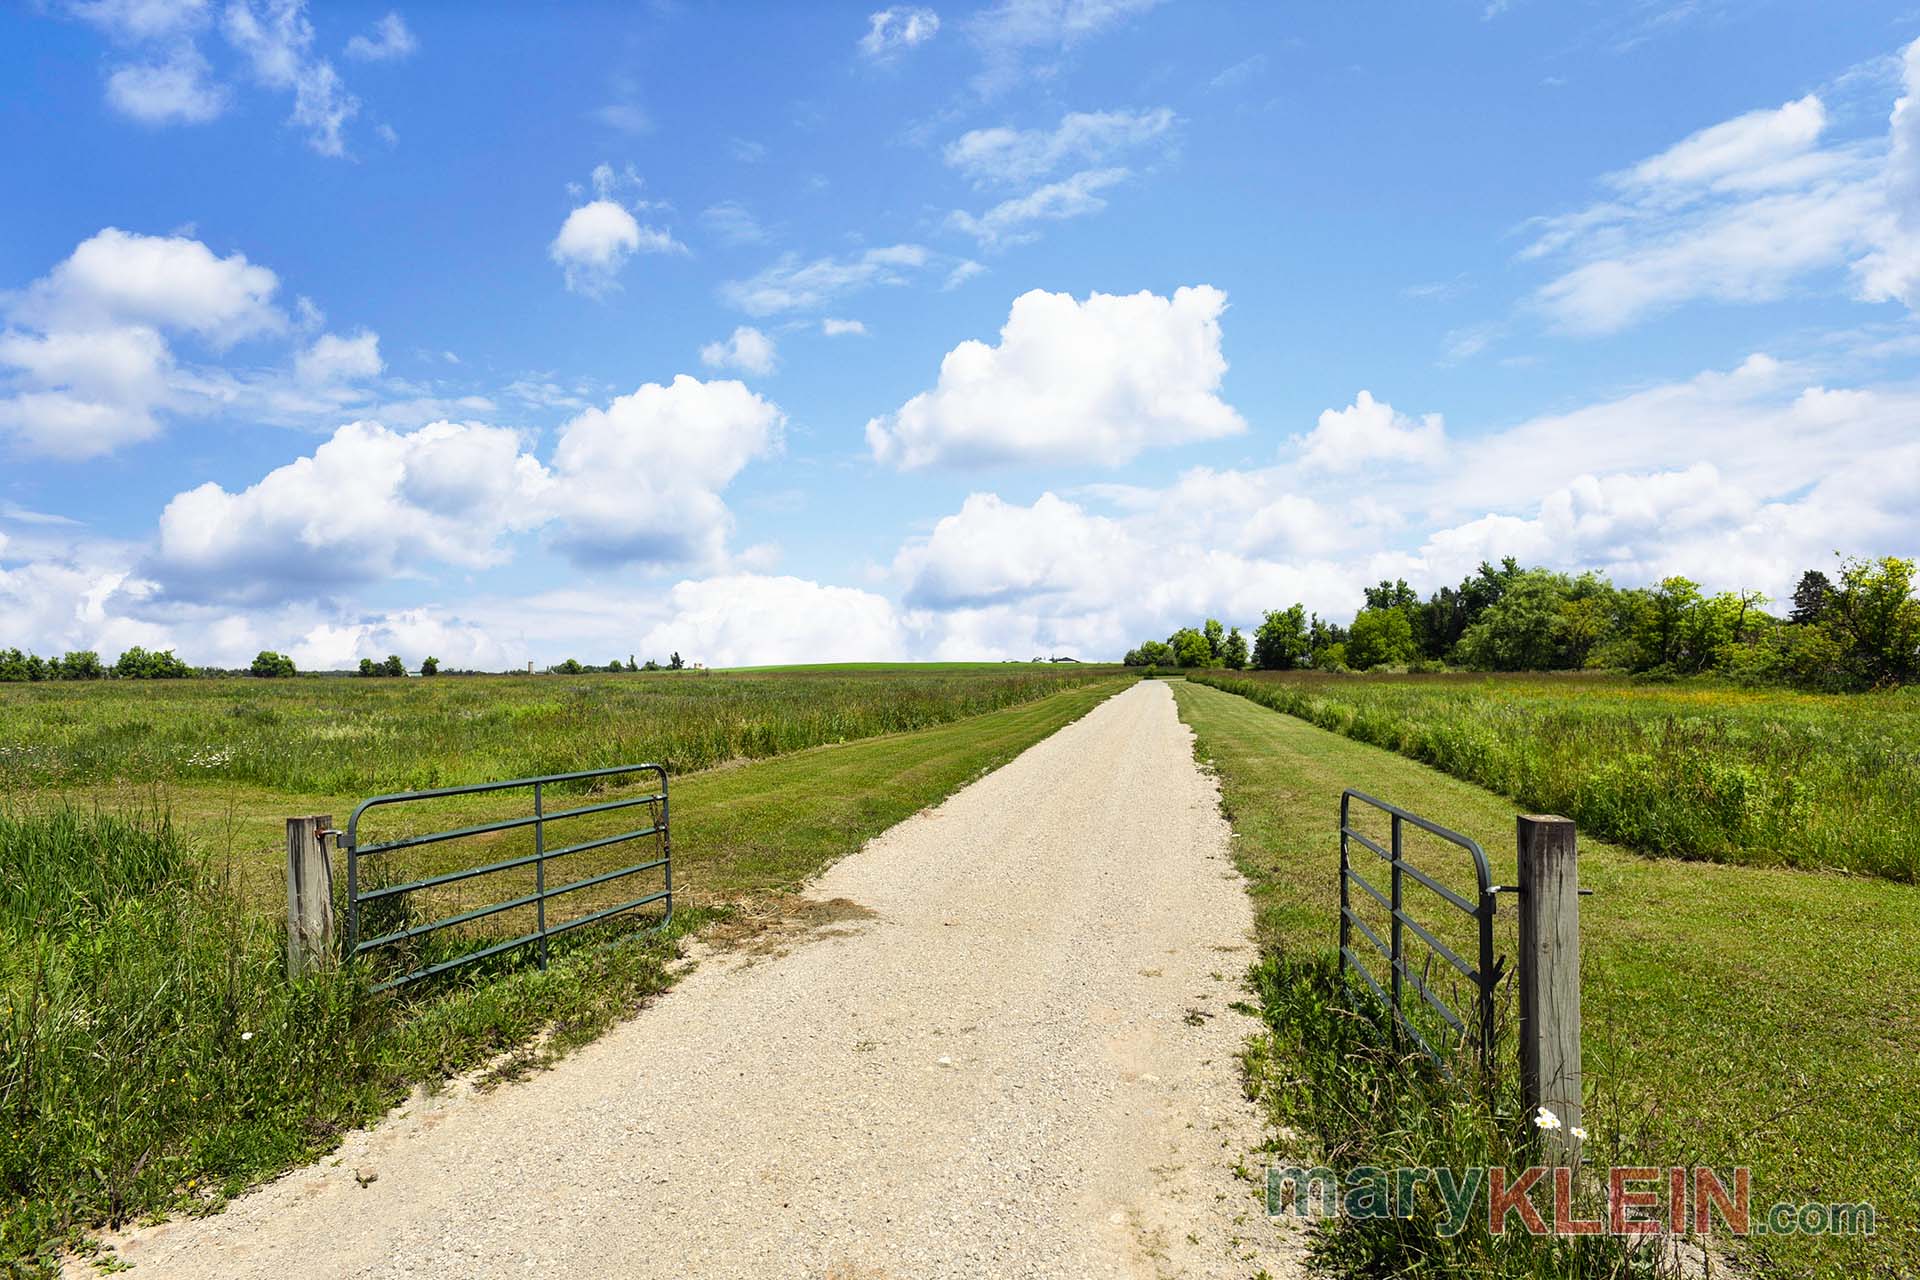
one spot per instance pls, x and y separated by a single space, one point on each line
344 735
1330 1075
1706 771
1731 1015
154 1059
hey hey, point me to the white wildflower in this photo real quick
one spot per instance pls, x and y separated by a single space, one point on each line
1546 1120
246 1035
1579 1133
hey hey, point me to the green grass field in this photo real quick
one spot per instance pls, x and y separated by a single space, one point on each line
343 735
1732 1014
154 1060
1695 770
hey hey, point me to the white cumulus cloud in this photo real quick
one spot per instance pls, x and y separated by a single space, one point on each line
175 90
641 478
1368 432
333 359
595 242
746 349
86 360
1091 382
369 503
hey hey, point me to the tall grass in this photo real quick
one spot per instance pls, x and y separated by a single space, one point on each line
1708 772
154 1058
337 736
1330 1076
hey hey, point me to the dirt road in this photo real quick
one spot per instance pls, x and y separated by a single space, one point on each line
1021 1063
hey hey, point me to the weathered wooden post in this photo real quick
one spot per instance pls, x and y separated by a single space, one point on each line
309 896
1549 963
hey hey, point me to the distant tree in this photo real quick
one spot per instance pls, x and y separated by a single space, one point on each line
1524 630
36 667
13 666
139 664
1233 650
429 666
269 665
1151 653
675 664
571 667
367 668
1190 648
1280 642
1216 637
1391 595
393 666
1379 638
1665 625
630 663
1811 598
80 664
651 665
1323 636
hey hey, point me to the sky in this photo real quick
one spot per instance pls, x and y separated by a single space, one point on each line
775 332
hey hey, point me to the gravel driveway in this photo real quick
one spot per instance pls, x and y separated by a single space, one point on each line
1021 1064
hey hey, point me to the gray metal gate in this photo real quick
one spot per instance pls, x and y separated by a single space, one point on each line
656 828
1484 977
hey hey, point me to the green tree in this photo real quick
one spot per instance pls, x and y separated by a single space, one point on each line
1322 637
674 663
1190 648
269 665
367 668
1391 595
1233 650
1151 653
139 664
393 666
429 666
80 664
1524 630
571 667
1811 598
1667 626
1875 621
13 666
1216 637
1379 638
1280 642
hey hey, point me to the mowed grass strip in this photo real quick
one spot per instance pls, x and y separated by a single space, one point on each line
1699 769
1732 1015
154 1060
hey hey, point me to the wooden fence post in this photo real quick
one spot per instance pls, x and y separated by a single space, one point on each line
1549 963
309 896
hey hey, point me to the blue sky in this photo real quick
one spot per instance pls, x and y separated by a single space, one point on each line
779 332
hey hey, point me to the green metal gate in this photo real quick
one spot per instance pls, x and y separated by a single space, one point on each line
656 829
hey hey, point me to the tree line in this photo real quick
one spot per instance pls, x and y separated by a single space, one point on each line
142 664
1857 629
